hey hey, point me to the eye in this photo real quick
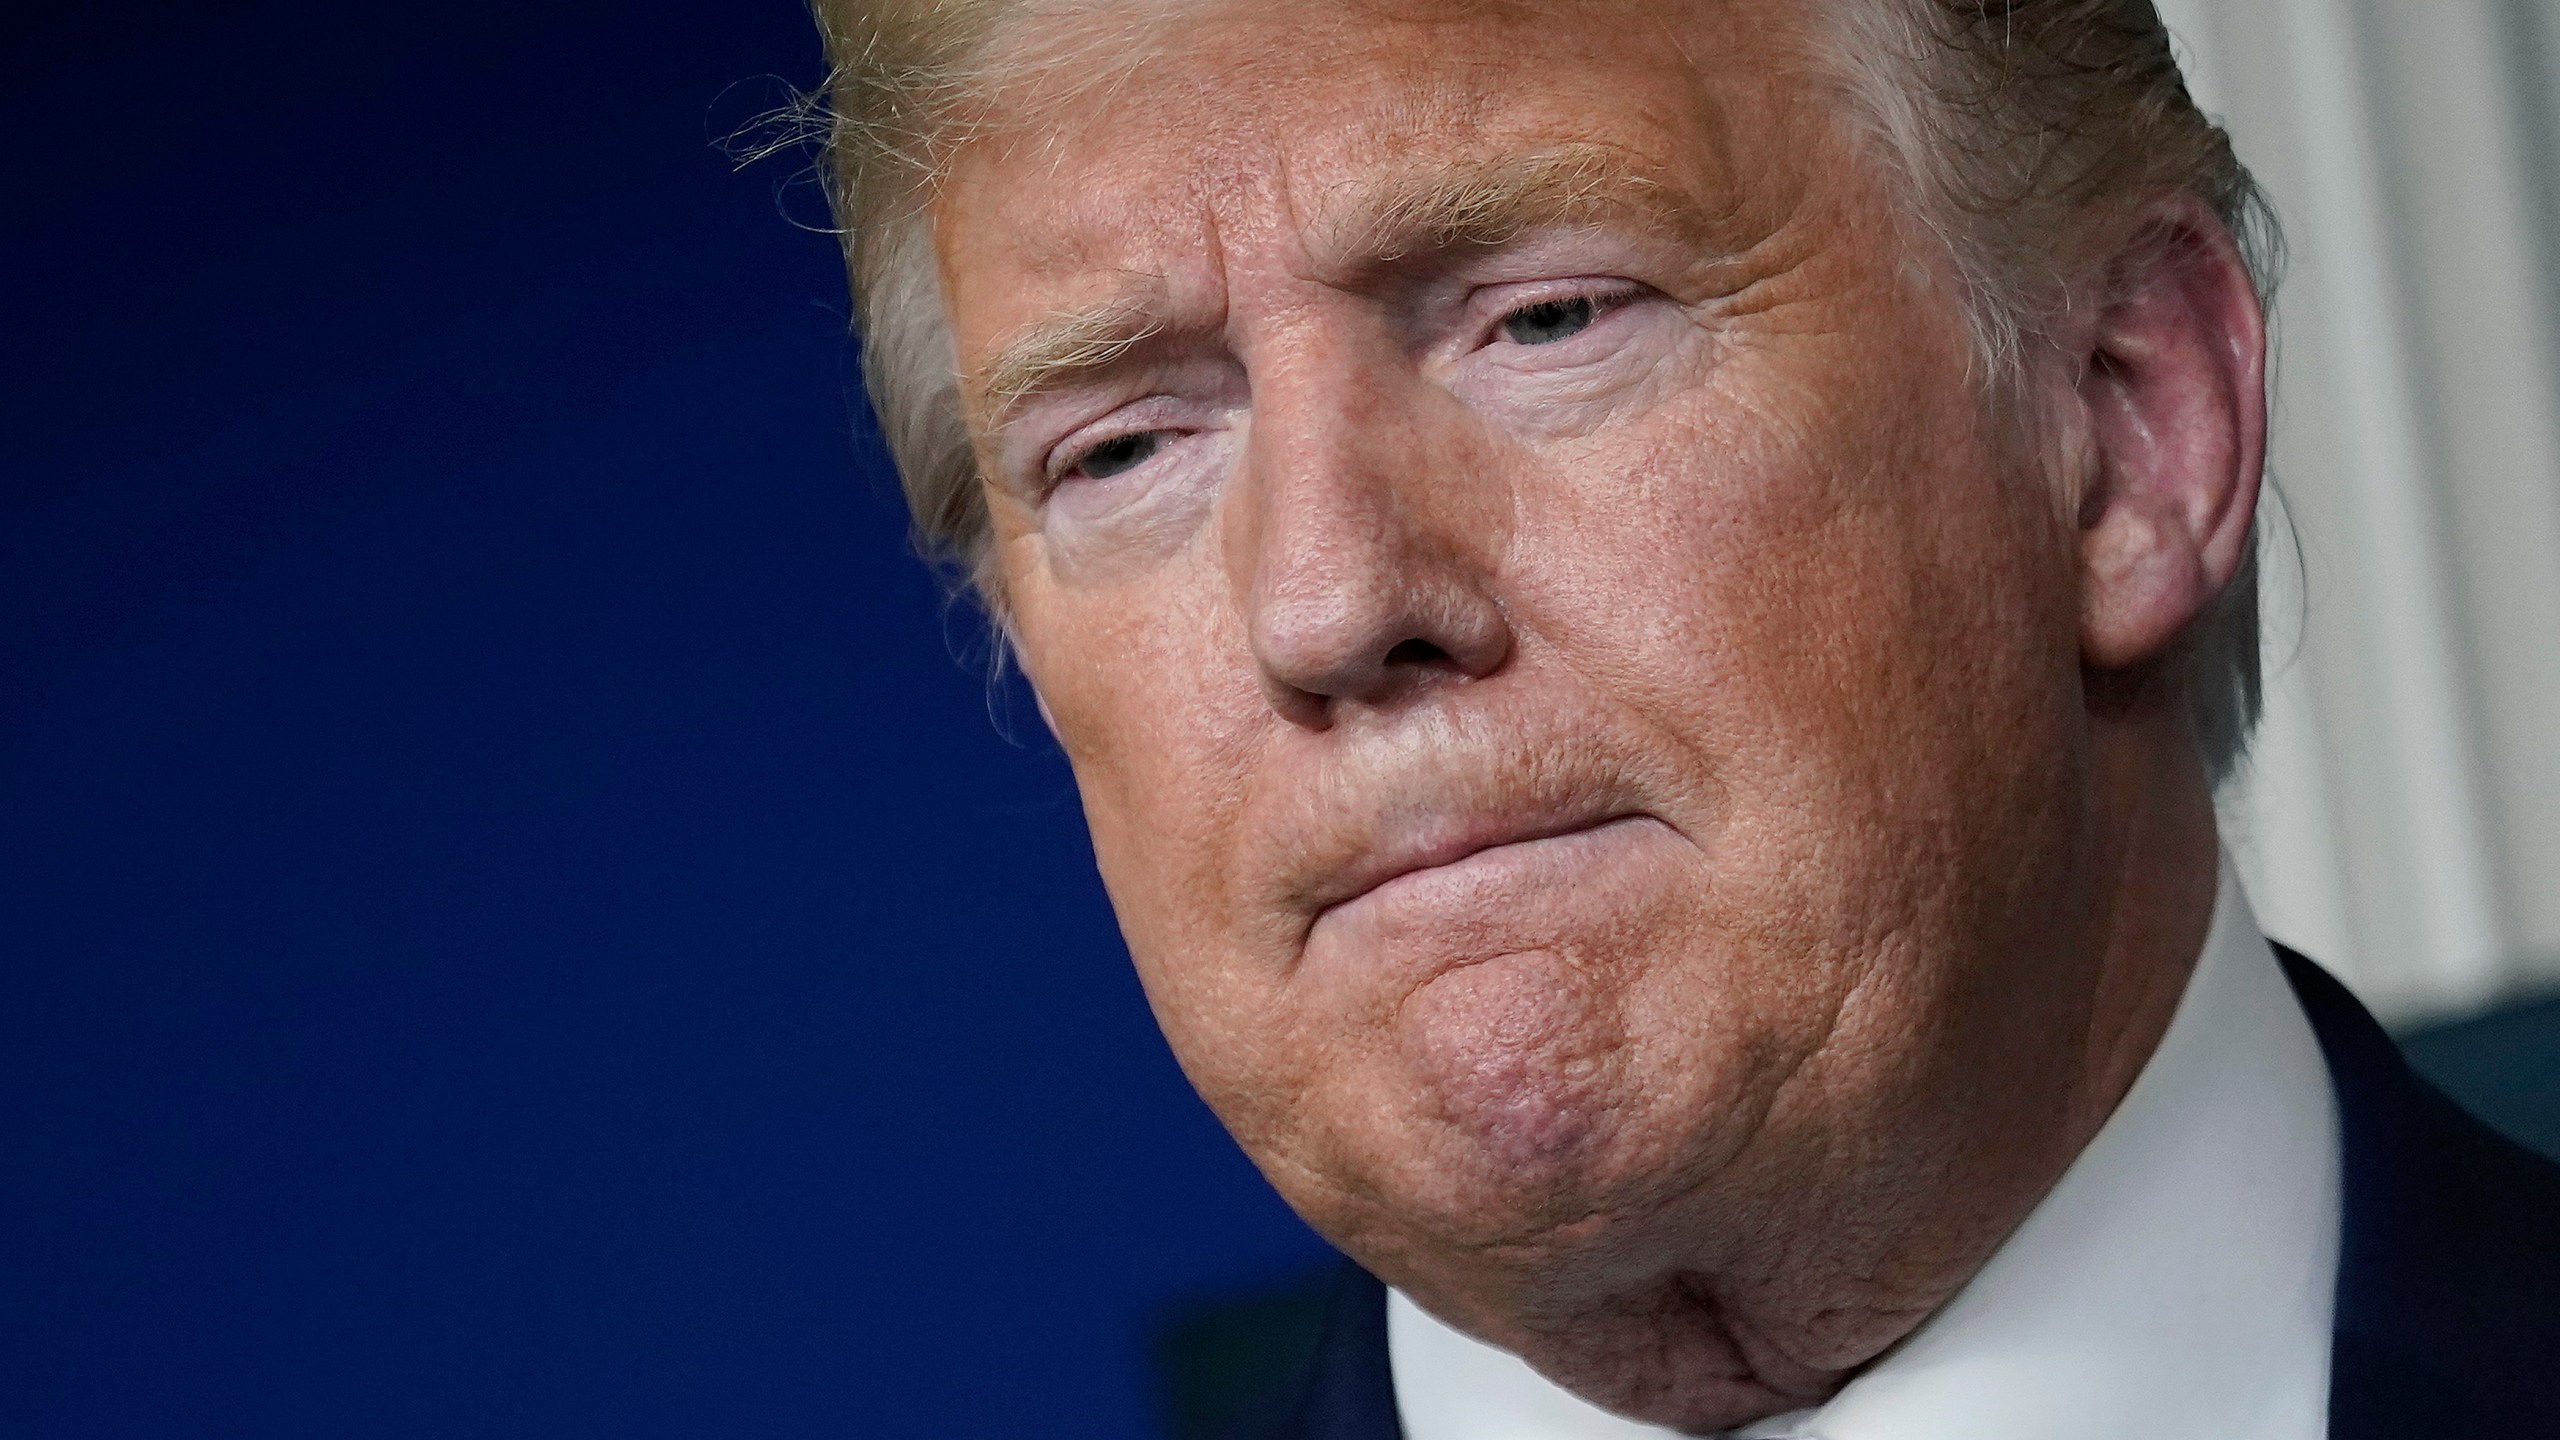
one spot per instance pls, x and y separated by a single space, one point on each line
1116 456
1549 321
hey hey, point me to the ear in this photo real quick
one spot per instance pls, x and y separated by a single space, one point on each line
1010 643
1041 702
2173 387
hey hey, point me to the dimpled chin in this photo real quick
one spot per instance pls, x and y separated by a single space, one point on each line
1514 1051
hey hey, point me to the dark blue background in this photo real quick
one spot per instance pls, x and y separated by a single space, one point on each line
515 918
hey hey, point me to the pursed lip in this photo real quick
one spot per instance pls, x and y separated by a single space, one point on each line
1448 839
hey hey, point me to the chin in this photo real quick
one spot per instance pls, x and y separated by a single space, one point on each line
1512 1125
1518 1059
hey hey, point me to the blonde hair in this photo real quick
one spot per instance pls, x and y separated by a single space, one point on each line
2010 124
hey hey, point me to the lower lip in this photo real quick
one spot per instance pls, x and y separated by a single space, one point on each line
1575 857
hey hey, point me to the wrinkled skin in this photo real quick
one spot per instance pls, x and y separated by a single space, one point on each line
1658 823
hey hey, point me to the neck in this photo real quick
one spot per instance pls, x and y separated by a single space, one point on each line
2161 860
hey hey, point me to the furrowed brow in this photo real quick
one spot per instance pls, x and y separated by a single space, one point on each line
1054 352
1468 206
1489 204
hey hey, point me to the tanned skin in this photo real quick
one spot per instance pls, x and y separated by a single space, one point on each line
1659 814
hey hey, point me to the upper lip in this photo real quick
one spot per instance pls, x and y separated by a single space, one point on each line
1430 841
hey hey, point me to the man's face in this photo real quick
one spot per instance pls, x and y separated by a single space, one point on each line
1577 714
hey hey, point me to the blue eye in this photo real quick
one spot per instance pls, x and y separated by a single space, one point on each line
1118 456
1549 321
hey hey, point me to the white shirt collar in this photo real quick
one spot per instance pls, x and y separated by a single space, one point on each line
2178 1280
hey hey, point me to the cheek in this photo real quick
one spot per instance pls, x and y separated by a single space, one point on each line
1820 565
1164 729
1850 620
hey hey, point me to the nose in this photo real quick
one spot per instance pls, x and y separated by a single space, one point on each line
1365 551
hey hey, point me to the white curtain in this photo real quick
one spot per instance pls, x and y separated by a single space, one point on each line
2401 818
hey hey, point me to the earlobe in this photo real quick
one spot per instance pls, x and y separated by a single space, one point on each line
2173 392
1042 703
1009 650
1039 701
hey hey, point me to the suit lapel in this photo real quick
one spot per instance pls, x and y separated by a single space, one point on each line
1347 1391
2449 1258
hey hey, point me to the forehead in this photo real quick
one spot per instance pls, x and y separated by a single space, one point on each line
1193 129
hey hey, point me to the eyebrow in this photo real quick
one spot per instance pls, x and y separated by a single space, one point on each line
1469 206
1068 343
1489 203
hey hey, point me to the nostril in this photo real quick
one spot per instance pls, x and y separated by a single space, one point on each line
1416 652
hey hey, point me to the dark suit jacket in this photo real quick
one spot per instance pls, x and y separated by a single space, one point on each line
2448 1318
